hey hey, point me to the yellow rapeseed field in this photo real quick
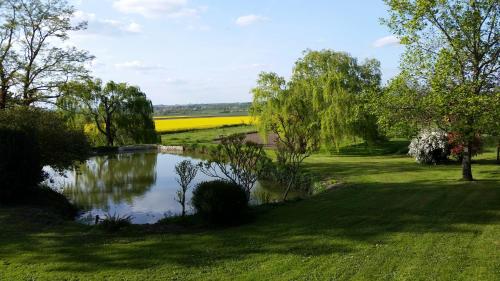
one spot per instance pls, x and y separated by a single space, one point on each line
165 125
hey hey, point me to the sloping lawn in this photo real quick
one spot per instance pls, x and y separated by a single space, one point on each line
393 220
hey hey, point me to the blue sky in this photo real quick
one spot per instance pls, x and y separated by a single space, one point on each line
200 51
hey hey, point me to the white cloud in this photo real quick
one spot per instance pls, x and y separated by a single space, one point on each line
250 19
386 41
79 16
106 26
138 65
158 8
133 27
174 81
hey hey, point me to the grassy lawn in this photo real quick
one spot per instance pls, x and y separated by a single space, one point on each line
205 136
393 220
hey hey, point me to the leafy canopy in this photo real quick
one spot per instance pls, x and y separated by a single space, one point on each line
120 112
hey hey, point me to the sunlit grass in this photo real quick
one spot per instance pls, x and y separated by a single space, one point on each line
392 220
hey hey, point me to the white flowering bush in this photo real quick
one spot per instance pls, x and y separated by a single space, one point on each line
430 147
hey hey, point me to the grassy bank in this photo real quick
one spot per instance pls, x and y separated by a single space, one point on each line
393 220
203 137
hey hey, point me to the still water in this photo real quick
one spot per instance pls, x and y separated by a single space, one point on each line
142 185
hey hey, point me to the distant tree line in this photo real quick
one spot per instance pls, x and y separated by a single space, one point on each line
203 109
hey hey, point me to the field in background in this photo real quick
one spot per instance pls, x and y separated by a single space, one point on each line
168 124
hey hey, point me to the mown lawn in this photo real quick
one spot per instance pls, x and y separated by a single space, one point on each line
393 220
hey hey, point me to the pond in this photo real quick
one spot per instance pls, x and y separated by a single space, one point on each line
142 185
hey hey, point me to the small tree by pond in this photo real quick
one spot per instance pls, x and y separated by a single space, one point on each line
186 171
283 111
238 161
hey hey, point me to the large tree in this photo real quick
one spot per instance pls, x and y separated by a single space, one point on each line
451 64
9 34
34 62
118 111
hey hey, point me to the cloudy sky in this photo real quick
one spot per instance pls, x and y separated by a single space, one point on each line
200 51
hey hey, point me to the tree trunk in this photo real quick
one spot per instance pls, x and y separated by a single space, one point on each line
183 204
289 186
467 163
498 153
109 134
109 138
3 99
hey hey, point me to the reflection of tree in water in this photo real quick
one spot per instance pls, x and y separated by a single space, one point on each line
112 178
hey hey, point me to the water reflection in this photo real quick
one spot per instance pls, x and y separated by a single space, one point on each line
142 185
112 179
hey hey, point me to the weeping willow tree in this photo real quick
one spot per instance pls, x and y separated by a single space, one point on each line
119 112
340 91
327 100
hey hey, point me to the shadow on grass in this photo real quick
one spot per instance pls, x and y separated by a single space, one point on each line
392 147
320 226
342 221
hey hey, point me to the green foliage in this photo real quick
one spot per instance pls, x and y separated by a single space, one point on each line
60 146
135 119
121 113
220 202
401 110
20 167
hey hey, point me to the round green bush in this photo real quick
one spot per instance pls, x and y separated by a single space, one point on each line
220 202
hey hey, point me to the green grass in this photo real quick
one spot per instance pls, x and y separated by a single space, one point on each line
393 220
203 137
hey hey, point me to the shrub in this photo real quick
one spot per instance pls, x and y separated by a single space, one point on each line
457 146
115 222
430 147
60 145
29 140
20 167
220 202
